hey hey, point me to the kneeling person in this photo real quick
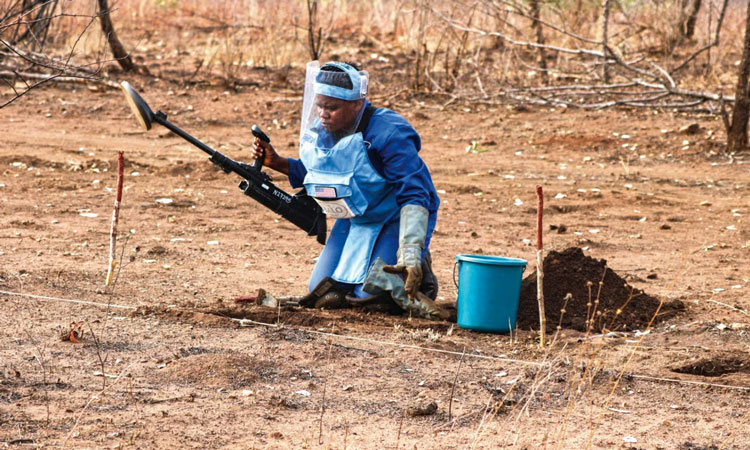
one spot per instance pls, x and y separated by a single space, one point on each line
361 164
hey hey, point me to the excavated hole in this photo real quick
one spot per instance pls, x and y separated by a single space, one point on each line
715 366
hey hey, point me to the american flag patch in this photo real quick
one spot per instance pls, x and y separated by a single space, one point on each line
325 192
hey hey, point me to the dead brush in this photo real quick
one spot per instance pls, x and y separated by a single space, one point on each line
568 380
519 399
589 363
74 332
225 52
417 335
660 23
455 52
590 360
42 358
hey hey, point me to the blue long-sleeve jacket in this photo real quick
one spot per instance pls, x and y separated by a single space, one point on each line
393 152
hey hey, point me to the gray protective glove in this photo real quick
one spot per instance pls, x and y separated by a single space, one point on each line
378 281
411 237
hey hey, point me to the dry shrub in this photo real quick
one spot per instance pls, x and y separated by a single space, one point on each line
659 24
421 40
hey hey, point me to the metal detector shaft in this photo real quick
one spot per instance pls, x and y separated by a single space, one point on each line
298 209
161 118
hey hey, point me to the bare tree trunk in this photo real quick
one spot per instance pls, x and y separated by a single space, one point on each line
578 13
118 51
314 38
536 14
605 40
421 45
688 29
737 130
708 35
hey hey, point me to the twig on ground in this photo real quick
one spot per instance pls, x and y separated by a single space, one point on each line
92 398
102 360
612 391
157 401
485 413
400 425
738 426
733 308
39 357
453 386
325 385
119 264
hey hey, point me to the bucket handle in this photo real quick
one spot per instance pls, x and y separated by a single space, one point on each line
455 282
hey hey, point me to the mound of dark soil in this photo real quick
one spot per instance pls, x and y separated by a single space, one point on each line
587 279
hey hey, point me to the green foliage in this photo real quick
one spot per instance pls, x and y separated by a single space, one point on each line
475 148
166 4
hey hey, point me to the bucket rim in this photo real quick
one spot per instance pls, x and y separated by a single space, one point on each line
491 260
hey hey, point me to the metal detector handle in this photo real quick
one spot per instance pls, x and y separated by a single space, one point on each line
257 132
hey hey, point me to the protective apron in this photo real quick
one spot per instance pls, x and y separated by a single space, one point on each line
341 178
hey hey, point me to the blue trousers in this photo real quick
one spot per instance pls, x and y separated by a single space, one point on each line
385 248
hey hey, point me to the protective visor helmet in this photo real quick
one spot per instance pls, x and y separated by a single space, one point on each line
342 81
334 79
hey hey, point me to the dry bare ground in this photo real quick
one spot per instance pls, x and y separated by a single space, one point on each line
162 361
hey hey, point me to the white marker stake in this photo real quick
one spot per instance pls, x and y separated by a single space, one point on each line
115 215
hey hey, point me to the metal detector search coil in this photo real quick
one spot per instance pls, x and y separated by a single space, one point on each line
299 209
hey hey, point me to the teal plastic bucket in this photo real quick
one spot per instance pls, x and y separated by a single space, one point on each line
488 291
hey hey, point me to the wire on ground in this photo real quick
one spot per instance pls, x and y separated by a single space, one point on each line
247 322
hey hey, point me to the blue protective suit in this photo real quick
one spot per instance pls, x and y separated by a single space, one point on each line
378 173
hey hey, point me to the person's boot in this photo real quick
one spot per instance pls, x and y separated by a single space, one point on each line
327 294
429 286
382 303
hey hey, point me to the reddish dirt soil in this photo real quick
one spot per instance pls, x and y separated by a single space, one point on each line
666 210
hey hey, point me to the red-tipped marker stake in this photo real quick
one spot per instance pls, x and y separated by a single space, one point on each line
539 266
115 215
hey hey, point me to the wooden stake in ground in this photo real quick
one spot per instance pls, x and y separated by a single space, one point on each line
539 267
115 216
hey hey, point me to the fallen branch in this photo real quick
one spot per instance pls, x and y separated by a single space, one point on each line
636 81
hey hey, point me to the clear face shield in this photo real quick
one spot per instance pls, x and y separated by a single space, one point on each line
345 84
309 113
